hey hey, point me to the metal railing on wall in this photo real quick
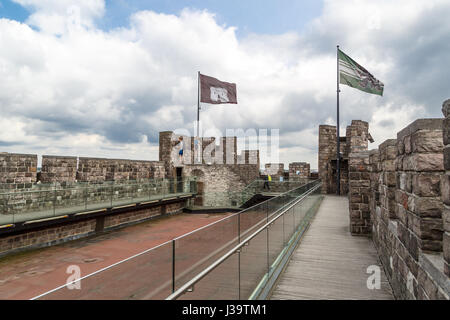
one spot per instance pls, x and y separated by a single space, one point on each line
162 271
45 201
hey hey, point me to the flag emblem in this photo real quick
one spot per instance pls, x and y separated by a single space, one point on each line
216 92
354 75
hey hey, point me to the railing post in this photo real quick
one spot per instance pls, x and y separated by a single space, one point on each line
54 199
173 265
239 275
112 191
267 240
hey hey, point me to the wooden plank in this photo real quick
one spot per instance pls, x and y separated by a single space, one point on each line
330 263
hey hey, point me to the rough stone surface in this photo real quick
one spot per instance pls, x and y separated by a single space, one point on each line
445 185
420 224
299 170
17 171
356 139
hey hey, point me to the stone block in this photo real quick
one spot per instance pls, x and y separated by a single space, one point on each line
446 158
445 188
424 162
426 207
446 108
446 131
427 141
426 184
446 246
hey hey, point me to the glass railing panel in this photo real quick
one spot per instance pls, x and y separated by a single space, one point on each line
253 263
31 205
252 218
98 196
69 200
222 283
199 249
289 225
276 235
147 276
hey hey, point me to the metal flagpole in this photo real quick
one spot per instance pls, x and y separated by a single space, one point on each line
198 153
338 156
198 104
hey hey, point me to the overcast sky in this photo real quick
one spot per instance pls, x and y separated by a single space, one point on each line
102 78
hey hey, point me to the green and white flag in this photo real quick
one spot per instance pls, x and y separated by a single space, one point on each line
354 75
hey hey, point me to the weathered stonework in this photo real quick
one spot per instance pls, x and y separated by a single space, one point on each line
445 186
220 169
17 171
408 185
99 169
359 192
58 169
299 170
356 139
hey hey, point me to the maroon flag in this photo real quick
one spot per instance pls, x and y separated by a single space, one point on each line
217 92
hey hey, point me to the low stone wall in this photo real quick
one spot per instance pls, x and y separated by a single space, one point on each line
66 231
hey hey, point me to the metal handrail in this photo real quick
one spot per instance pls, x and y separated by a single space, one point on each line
190 284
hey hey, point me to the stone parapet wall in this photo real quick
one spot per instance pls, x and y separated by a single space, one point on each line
327 151
387 179
303 169
357 135
359 192
408 202
445 186
17 171
100 169
419 165
58 169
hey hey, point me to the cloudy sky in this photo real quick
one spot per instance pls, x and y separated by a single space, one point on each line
102 78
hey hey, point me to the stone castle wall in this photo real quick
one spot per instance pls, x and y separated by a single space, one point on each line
220 166
19 171
356 140
405 207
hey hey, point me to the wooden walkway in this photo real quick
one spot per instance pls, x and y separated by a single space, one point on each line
329 262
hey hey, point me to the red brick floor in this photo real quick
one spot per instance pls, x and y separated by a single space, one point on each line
28 274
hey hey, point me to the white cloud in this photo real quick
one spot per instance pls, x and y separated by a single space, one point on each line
60 16
70 88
